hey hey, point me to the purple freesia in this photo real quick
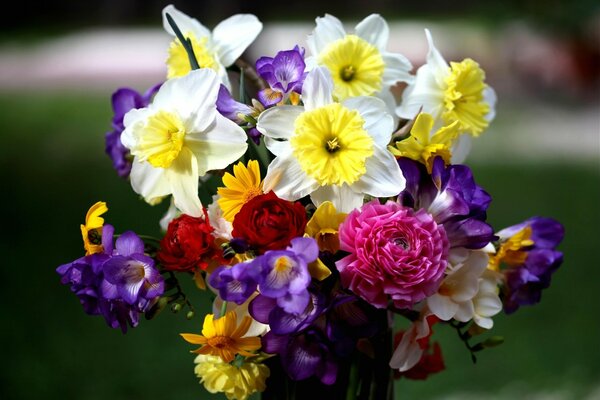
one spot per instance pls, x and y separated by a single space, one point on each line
229 108
119 283
524 283
124 100
452 197
284 73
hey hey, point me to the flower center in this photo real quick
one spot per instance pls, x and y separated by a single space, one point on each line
178 62
220 342
355 65
160 140
463 97
331 144
402 242
283 264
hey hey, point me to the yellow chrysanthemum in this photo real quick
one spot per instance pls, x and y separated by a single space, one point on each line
178 62
511 251
420 147
91 232
243 185
224 338
237 381
463 97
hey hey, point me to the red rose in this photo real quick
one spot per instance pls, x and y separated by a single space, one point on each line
267 222
189 245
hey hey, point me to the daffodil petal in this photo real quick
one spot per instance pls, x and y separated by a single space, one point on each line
378 122
317 90
397 69
383 177
287 179
183 181
184 23
149 182
327 30
343 198
438 65
489 96
233 35
277 147
374 29
424 95
278 122
461 149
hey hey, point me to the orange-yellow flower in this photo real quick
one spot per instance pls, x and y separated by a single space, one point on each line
224 338
91 232
243 185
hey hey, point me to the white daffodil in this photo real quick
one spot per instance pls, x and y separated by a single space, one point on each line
332 151
216 50
466 293
178 138
454 92
359 63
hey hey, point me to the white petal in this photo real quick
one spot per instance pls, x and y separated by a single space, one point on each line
134 119
183 180
443 307
487 305
374 30
343 198
389 99
383 177
287 179
489 96
277 147
278 122
425 93
486 323
169 216
397 69
374 111
436 62
461 149
149 182
328 29
317 90
193 97
223 143
408 353
185 23
233 35
465 311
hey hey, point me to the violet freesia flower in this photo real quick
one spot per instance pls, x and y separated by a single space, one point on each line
229 108
529 251
123 100
396 254
279 274
284 73
119 283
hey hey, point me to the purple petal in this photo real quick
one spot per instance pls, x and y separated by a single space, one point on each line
305 248
301 359
129 243
260 308
107 238
274 344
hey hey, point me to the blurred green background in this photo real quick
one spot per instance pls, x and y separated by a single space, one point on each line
53 167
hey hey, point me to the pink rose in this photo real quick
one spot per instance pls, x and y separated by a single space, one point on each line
396 254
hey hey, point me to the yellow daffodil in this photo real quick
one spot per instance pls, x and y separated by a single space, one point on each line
243 185
216 50
422 146
331 151
179 137
359 63
237 380
224 338
455 92
91 232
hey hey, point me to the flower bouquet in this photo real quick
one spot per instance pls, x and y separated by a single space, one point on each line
343 225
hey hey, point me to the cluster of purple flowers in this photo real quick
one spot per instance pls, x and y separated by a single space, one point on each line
118 283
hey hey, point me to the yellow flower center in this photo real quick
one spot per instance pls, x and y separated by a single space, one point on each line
431 151
355 65
512 252
283 264
463 97
220 342
331 144
161 139
178 62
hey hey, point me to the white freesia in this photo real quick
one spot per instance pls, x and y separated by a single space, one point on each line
409 351
178 138
221 227
467 293
331 151
359 63
449 93
217 49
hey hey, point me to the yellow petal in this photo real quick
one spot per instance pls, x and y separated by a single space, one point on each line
208 328
193 338
318 270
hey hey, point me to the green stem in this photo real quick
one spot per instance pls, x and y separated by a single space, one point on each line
223 309
185 42
352 391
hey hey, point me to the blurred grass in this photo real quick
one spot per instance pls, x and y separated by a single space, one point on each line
52 167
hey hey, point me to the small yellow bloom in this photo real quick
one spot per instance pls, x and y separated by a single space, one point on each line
224 338
419 146
511 251
463 97
91 232
241 187
238 380
323 227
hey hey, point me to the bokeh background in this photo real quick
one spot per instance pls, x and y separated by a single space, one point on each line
59 63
